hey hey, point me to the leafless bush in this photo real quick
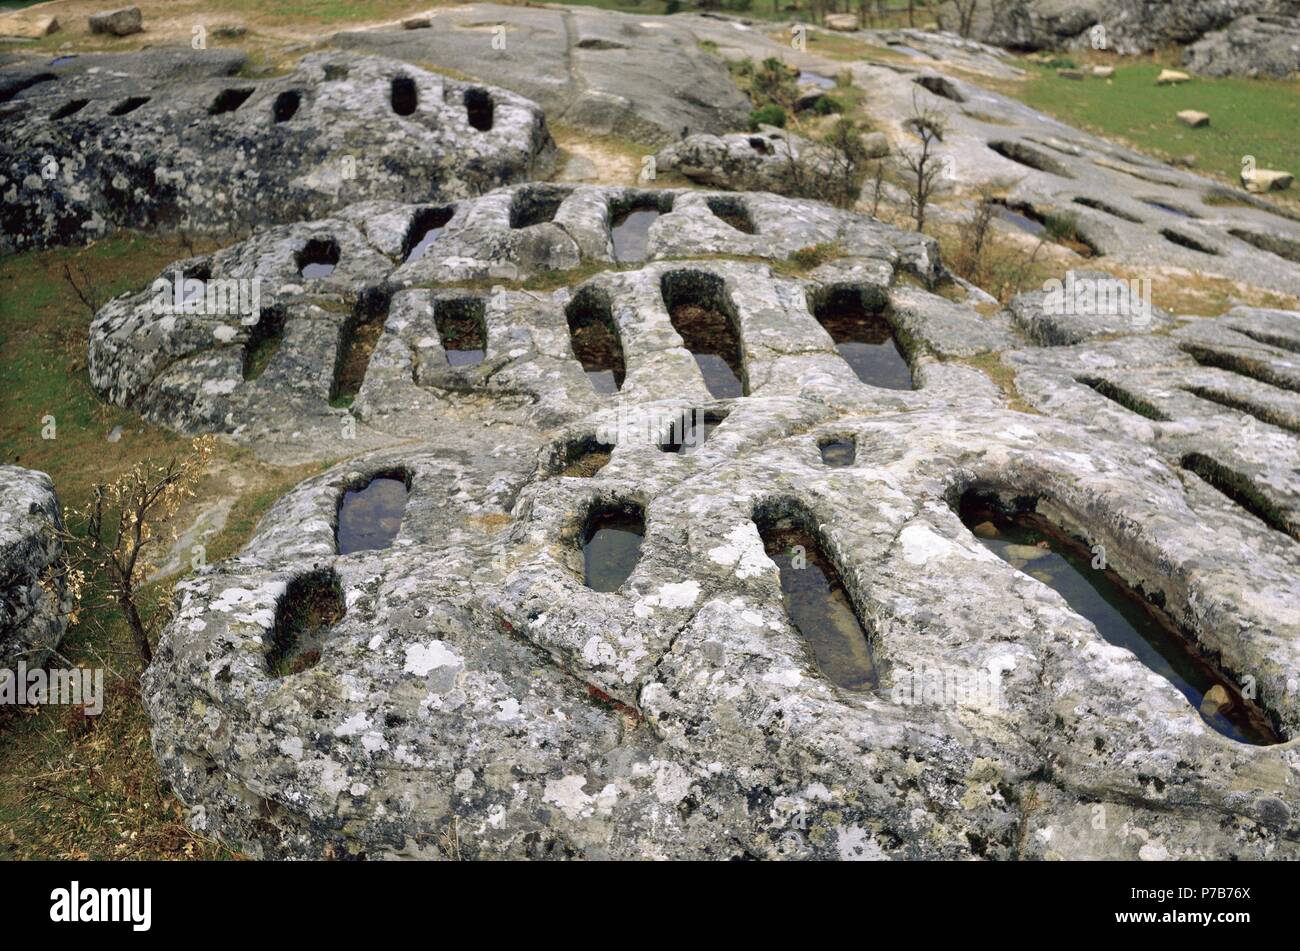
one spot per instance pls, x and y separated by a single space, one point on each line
86 288
120 525
924 165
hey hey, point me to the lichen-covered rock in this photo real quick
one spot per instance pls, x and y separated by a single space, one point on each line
34 603
87 150
1126 26
1243 38
271 375
1084 305
1266 46
120 22
602 71
472 693
769 160
478 701
1217 397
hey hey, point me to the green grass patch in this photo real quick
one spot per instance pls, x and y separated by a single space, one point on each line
77 787
1256 117
43 342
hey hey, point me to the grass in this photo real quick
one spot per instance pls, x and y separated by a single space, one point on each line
1002 376
43 341
1256 117
74 786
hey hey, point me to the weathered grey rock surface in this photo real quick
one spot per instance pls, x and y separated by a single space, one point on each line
770 160
191 372
1220 389
96 147
33 600
469 696
642 78
1051 319
478 700
122 21
1241 38
1249 46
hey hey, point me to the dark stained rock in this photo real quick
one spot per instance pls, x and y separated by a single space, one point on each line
88 152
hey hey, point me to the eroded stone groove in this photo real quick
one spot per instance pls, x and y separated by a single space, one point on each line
479 109
1032 544
631 216
462 330
863 336
263 341
69 108
404 95
228 100
702 314
370 514
814 596
1188 241
941 86
318 258
734 212
1123 397
286 105
425 228
128 105
1248 366
1240 489
360 335
1030 157
580 458
692 430
1109 209
304 618
536 204
838 452
594 338
1176 210
1260 411
611 544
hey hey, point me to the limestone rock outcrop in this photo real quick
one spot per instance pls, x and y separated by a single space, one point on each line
473 695
88 149
33 597
1242 38
1265 46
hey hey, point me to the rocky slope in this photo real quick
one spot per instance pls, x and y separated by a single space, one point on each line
1226 37
33 599
97 145
472 697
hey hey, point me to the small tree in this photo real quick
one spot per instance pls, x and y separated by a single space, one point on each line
84 287
877 188
120 526
925 164
847 141
970 264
